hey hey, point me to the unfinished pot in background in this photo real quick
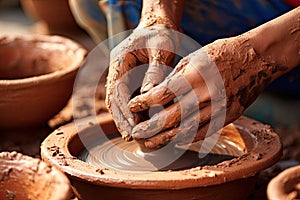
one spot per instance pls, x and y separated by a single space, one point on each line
36 78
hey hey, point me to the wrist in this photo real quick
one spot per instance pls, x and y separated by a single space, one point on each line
166 12
239 63
277 43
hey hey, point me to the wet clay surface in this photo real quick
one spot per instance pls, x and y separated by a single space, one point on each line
127 156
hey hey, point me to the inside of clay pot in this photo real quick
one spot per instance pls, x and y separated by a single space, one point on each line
111 151
26 58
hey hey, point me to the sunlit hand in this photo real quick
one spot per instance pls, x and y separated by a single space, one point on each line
144 46
210 88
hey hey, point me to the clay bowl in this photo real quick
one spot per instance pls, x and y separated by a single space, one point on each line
286 185
56 14
23 177
230 179
36 78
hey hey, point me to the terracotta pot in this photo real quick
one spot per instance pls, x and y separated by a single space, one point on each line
286 185
231 179
55 13
36 78
23 177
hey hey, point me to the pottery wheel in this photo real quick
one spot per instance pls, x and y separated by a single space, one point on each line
121 155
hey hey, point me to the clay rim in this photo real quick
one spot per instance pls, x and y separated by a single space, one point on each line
262 156
286 180
78 51
60 183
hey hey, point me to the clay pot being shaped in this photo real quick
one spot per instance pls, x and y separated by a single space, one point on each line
286 185
36 78
249 145
23 177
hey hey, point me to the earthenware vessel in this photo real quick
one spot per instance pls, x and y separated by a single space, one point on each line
23 177
36 78
230 179
55 13
286 185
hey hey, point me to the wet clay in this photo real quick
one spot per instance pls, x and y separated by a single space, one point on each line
23 177
157 19
119 154
246 63
261 148
27 58
36 78
286 185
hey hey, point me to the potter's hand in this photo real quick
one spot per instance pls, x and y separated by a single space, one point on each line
246 64
144 46
213 85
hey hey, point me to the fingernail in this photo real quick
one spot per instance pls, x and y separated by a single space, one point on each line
146 87
136 136
131 104
135 105
138 130
135 132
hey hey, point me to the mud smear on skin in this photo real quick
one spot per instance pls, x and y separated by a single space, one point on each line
121 155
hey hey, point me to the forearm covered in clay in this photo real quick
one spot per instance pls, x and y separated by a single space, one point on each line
254 59
278 43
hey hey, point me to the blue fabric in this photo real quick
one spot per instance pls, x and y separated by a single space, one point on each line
206 21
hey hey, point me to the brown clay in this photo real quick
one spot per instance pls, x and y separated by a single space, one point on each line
247 64
23 177
230 179
56 14
36 78
54 17
286 185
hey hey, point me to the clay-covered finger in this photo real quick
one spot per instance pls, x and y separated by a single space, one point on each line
171 116
121 96
118 73
195 127
160 62
161 94
118 94
163 138
121 122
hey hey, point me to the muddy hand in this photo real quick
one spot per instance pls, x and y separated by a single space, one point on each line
144 46
210 88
